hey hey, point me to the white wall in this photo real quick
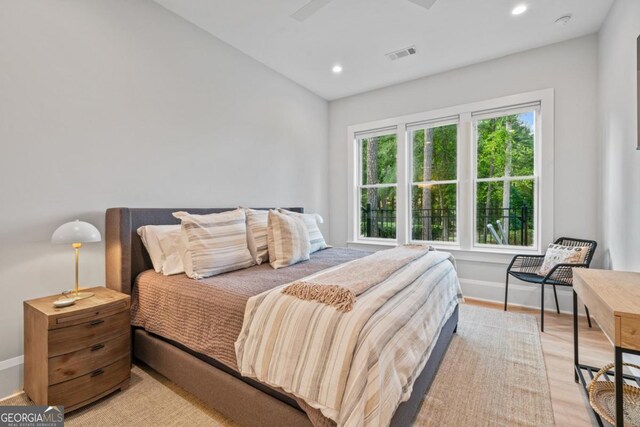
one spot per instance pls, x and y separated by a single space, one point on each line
122 103
569 67
619 123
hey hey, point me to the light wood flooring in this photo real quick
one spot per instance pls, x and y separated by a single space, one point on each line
570 404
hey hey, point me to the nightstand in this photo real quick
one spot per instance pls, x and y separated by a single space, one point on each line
77 354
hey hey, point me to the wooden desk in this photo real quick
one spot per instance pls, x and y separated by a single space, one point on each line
613 298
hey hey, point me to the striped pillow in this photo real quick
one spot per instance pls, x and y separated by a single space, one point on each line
316 239
288 240
216 242
257 222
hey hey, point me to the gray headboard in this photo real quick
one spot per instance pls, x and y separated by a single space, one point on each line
126 256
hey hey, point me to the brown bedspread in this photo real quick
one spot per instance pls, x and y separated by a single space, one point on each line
206 315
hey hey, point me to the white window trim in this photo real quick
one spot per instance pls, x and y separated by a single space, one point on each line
435 123
359 136
464 249
535 177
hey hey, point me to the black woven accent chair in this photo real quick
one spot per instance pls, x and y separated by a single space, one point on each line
525 267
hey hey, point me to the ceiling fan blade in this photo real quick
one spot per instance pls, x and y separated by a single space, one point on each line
424 3
309 9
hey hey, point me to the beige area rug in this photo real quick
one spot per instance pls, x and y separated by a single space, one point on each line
492 375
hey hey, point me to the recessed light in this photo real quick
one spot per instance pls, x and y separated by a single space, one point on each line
337 69
519 10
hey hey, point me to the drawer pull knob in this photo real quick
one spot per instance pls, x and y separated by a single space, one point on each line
97 347
96 322
97 372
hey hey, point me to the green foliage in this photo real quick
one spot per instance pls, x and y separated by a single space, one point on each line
434 205
493 136
445 148
444 144
387 150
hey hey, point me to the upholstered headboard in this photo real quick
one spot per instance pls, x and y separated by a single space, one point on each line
126 256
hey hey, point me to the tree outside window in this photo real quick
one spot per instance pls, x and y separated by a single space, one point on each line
434 195
467 179
505 182
378 156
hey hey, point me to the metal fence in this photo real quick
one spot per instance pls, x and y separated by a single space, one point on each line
508 226
438 225
378 223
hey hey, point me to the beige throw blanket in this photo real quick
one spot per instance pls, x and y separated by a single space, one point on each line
356 366
339 288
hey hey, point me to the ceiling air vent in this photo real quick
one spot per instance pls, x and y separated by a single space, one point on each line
408 51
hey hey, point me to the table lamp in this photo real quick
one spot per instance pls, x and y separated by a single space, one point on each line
76 233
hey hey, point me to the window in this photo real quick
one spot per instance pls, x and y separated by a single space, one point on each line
434 186
477 177
505 179
378 182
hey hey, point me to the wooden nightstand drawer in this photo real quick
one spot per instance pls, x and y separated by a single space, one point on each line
71 365
73 392
71 319
78 354
73 338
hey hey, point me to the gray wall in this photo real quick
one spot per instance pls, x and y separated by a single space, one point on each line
569 67
122 103
618 126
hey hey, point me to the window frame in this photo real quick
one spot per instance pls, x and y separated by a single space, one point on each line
360 173
465 248
430 124
535 177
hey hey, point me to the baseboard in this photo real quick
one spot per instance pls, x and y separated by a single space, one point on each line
17 393
11 376
10 363
519 294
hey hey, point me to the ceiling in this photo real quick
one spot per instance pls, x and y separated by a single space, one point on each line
358 33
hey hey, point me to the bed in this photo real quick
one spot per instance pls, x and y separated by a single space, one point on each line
205 367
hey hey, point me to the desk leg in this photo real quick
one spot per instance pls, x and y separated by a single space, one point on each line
619 382
575 336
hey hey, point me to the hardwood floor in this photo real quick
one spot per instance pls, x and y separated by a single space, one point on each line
570 404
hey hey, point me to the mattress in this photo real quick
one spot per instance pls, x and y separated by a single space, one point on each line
206 315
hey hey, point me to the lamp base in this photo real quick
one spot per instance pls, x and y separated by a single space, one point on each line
81 295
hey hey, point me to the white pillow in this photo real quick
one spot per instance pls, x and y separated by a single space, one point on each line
175 251
217 243
257 234
311 221
148 235
165 247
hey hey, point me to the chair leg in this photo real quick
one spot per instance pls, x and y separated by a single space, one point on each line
506 292
555 294
588 316
542 308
